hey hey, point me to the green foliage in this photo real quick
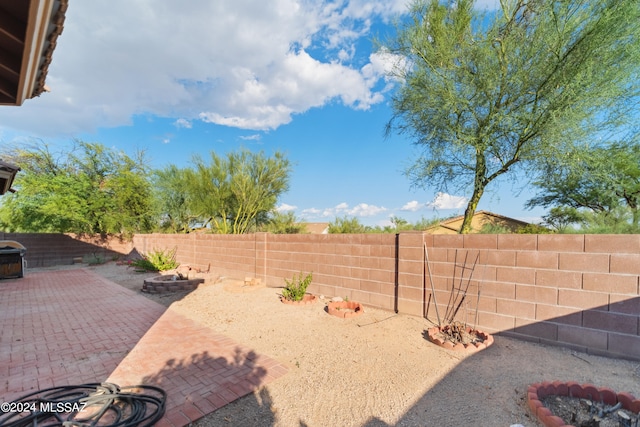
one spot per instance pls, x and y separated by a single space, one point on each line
172 197
346 225
88 189
94 259
490 228
534 229
157 260
488 95
283 223
297 287
561 218
596 179
425 223
236 193
352 225
616 221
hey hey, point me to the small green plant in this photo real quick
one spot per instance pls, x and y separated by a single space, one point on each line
157 260
94 259
297 287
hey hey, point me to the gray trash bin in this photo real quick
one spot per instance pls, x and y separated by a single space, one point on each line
11 259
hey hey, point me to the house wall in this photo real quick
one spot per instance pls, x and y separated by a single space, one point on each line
579 291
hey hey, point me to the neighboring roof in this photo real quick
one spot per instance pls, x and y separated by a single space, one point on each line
316 227
29 30
453 224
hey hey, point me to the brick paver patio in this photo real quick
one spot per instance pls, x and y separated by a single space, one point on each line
73 327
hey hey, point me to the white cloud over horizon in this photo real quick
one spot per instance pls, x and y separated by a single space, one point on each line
285 207
446 201
240 63
412 206
343 209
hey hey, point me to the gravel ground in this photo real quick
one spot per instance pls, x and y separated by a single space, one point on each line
376 369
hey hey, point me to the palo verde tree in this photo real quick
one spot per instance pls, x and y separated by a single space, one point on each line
235 194
487 95
87 189
171 185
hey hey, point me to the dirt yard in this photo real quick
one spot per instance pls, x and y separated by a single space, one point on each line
373 370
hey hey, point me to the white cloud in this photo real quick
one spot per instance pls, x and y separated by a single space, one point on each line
412 206
254 137
182 123
446 201
310 212
364 209
342 209
238 63
285 207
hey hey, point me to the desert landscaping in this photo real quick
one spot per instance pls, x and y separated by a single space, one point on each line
376 369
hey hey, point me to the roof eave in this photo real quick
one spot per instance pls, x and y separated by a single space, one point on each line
45 23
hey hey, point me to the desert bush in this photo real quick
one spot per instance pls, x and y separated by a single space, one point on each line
297 287
157 260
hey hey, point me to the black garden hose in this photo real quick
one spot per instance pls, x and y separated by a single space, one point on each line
86 405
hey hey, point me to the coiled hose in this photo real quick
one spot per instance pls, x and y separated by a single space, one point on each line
88 405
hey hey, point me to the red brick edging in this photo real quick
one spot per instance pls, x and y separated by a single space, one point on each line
537 392
487 340
343 309
307 299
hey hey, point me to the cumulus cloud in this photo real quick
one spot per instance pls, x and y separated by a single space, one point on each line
310 212
364 209
285 208
447 201
182 123
254 137
343 209
238 63
412 206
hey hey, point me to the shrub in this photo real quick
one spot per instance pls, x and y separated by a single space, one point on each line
297 287
157 260
94 259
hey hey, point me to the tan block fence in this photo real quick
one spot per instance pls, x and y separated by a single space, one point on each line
578 291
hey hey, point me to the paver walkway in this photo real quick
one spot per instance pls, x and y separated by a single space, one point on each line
74 327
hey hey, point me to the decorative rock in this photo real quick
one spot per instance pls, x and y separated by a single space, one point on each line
337 299
537 392
487 340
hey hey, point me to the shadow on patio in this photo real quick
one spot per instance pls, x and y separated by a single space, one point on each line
74 327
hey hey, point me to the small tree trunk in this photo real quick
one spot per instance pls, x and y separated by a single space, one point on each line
471 210
479 183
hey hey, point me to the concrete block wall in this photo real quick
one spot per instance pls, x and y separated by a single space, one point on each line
45 250
579 291
358 266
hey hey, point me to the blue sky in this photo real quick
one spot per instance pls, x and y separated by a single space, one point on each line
184 78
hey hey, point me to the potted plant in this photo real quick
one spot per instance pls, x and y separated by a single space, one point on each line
295 293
